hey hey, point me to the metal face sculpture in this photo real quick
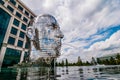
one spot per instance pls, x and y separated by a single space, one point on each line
45 37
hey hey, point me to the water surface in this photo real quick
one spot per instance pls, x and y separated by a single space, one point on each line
63 73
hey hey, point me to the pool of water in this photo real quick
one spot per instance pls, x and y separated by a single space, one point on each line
89 73
62 73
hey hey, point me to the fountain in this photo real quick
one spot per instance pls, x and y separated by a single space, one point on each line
45 36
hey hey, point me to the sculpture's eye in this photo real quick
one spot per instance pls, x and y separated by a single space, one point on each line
54 26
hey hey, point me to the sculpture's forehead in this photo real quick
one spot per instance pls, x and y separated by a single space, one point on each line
46 19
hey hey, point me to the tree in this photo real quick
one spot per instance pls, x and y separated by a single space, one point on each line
107 62
56 64
112 61
99 61
118 56
118 59
87 63
79 62
62 64
66 62
93 62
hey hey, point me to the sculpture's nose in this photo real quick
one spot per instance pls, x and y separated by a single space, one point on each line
59 34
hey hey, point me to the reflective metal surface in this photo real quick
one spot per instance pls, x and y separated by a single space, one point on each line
45 36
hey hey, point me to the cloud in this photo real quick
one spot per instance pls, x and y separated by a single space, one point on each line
88 25
108 44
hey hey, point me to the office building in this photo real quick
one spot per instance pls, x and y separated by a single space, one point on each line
14 19
108 57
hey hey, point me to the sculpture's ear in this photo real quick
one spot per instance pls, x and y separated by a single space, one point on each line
54 26
30 33
36 42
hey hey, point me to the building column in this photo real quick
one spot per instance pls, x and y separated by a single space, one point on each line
2 54
22 56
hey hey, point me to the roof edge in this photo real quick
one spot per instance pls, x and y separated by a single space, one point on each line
26 7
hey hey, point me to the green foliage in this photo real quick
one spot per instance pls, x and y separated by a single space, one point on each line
118 59
99 61
79 62
93 62
62 63
109 61
112 61
67 62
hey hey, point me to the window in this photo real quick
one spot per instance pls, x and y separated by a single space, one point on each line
13 2
23 27
16 22
13 31
26 54
20 8
10 8
26 13
18 15
31 17
25 19
20 43
4 21
22 34
12 56
1 2
27 45
11 40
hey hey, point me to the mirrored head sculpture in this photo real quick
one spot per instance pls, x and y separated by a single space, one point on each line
45 36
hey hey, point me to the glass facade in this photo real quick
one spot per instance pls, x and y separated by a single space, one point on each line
13 2
23 27
25 19
26 56
18 15
10 8
1 2
4 21
20 43
20 8
27 45
12 57
14 31
22 34
11 40
16 22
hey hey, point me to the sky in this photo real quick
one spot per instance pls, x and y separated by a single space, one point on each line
91 28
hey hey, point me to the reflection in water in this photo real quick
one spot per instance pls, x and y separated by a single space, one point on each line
89 73
67 70
31 73
8 74
63 73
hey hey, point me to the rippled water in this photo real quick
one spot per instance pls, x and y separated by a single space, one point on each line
63 73
89 73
